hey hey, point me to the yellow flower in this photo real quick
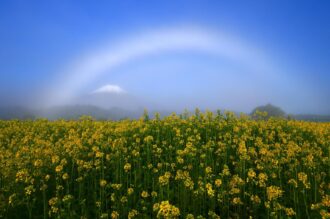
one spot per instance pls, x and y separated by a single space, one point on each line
164 180
166 210
113 197
225 171
234 190
218 182
65 176
29 190
290 212
273 192
99 154
148 139
180 160
237 201
326 201
53 201
53 210
262 177
67 198
123 199
189 183
22 176
38 163
116 186
242 151
251 174
302 177
132 213
208 170
293 182
127 167
154 194
55 159
209 189
155 207
144 194
255 199
325 214
103 182
130 191
59 168
213 215
114 215
236 181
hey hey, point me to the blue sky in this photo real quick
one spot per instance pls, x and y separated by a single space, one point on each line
43 44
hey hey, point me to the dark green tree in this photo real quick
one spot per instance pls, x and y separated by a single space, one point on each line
268 111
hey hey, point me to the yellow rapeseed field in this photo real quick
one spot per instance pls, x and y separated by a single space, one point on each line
200 166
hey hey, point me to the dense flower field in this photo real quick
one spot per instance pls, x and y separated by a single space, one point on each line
200 166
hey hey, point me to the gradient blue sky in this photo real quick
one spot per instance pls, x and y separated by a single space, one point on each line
39 41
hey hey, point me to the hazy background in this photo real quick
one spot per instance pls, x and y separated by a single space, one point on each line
165 55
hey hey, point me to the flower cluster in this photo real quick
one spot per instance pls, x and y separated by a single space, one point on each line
166 210
202 165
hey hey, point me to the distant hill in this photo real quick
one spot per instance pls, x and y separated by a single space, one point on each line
271 110
311 117
73 112
76 111
16 112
